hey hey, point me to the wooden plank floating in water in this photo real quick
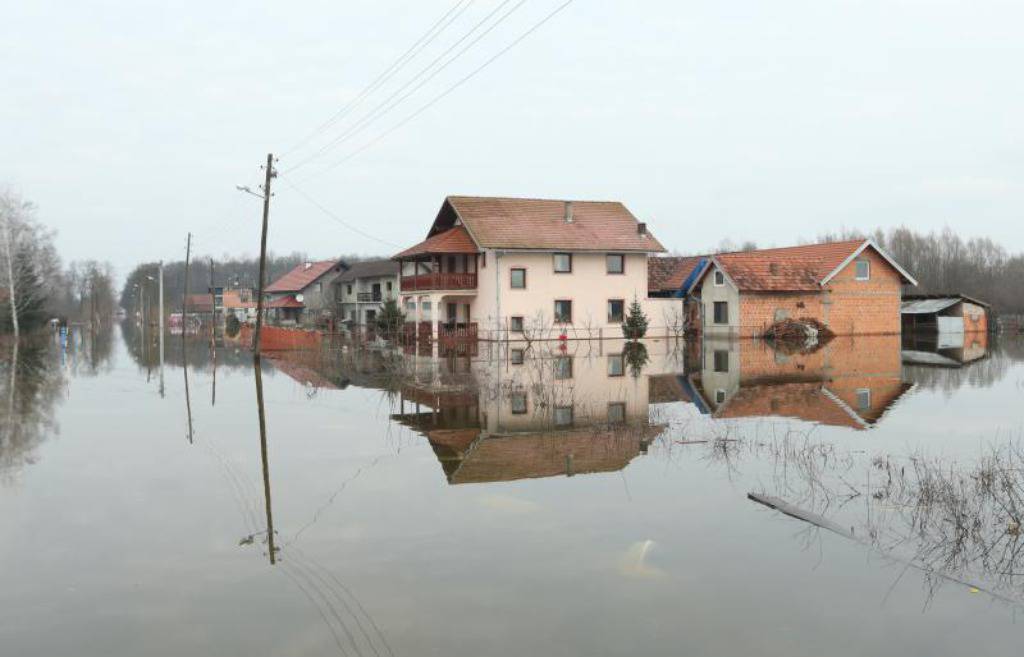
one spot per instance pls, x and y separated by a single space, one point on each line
817 520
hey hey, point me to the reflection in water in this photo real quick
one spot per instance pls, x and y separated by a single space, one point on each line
258 371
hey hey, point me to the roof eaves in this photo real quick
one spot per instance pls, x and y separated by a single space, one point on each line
882 252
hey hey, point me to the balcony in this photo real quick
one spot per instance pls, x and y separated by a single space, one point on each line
369 297
439 281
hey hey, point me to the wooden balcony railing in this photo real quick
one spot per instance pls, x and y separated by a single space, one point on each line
368 296
439 281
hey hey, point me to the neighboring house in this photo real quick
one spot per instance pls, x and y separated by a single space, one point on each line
505 268
944 314
852 287
240 303
670 277
361 291
304 295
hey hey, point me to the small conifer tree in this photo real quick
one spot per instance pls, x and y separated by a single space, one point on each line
635 326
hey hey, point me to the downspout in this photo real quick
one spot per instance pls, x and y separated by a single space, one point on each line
497 294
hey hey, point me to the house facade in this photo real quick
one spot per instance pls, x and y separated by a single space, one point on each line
852 287
304 296
504 268
361 291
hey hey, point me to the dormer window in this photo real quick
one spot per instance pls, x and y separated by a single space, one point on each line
719 278
863 270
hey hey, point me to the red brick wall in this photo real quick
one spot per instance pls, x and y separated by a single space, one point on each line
847 306
975 318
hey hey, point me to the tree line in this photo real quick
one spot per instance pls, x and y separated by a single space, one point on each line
35 286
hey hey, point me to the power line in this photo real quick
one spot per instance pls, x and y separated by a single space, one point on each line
425 39
447 91
383 107
336 217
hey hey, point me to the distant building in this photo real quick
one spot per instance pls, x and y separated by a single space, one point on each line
504 267
852 287
304 295
671 277
239 303
199 304
951 314
361 291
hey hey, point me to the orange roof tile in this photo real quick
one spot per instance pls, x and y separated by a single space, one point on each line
453 240
302 276
792 269
669 273
514 223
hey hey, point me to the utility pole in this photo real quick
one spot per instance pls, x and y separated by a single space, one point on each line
263 252
161 301
184 293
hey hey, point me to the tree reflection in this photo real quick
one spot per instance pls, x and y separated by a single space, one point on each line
31 386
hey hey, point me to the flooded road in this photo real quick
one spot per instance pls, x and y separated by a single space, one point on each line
508 499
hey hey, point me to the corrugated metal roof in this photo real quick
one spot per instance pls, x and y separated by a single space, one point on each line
927 306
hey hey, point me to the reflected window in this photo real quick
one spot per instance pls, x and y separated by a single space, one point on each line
563 416
519 403
517 356
616 311
616 365
515 324
616 413
864 399
563 367
518 275
863 270
721 360
721 312
719 396
615 263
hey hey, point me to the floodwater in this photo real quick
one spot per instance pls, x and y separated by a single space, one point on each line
500 499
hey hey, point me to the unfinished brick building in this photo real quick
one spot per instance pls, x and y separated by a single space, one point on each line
852 287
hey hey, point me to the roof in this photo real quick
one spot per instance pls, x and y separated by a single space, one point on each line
796 268
233 299
453 240
302 276
515 223
199 302
672 272
370 269
928 306
959 296
286 302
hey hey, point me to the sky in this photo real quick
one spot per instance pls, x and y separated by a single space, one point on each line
130 122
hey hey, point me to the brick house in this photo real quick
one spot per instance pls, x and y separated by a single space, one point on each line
852 287
498 268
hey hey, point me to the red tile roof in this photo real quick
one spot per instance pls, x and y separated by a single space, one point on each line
792 269
668 273
286 302
302 276
514 223
453 240
199 302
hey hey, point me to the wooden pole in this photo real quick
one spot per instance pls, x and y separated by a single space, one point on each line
263 251
184 292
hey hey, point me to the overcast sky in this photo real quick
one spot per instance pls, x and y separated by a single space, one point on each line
129 122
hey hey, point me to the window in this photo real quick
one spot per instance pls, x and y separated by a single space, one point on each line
348 288
515 324
518 275
863 270
616 413
616 311
410 305
517 356
719 278
563 368
389 286
563 416
563 311
616 365
864 399
721 361
563 263
615 263
720 396
721 312
519 404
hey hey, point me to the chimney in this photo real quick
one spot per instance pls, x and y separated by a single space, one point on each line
641 228
568 212
307 265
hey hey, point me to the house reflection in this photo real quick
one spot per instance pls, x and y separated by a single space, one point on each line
848 382
546 410
945 349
